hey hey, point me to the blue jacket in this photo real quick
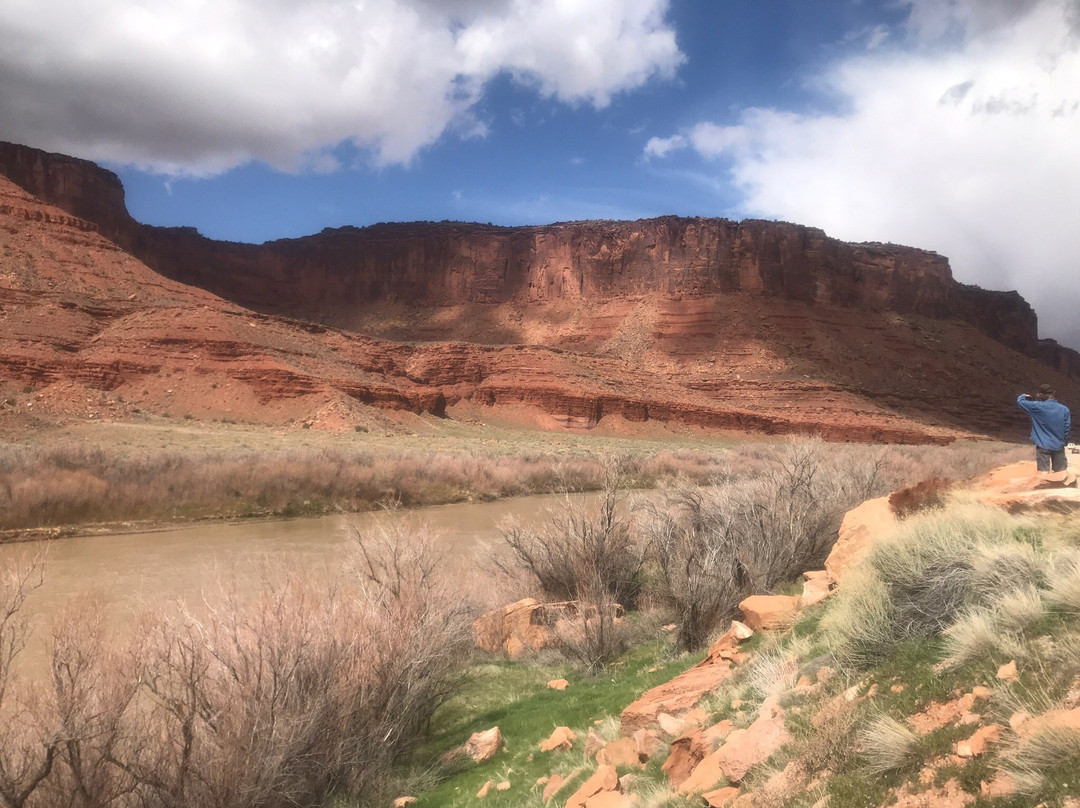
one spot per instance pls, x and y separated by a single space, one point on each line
1050 422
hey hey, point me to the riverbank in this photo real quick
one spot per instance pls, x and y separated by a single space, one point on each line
92 478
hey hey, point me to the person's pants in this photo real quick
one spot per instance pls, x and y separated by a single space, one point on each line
1045 459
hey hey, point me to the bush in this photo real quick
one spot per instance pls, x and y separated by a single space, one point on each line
712 549
277 700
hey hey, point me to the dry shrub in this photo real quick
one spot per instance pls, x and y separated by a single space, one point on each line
920 496
588 555
278 700
699 574
710 549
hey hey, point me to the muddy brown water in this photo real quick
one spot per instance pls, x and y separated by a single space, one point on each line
134 572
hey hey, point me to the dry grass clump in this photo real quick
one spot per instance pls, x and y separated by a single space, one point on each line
914 585
1064 583
888 745
280 700
1048 755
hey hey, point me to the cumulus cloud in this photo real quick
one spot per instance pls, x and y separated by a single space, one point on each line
958 135
197 87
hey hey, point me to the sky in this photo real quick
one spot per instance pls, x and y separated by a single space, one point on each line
949 125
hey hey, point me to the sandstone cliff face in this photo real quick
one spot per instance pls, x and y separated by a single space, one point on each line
627 326
329 276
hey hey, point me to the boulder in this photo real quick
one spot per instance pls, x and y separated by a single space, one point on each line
817 586
676 697
558 684
688 750
769 612
514 629
1007 672
594 742
551 788
862 528
741 750
484 745
561 738
402 802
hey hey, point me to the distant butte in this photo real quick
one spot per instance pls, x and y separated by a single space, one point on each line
666 323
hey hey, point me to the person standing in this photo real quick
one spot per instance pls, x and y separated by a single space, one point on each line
1051 424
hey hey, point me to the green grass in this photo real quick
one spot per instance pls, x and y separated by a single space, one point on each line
514 697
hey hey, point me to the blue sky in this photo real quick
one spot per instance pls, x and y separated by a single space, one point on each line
951 125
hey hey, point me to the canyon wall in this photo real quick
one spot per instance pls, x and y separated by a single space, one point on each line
324 276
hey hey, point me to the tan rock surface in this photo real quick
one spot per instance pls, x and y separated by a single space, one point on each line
720 797
675 697
769 612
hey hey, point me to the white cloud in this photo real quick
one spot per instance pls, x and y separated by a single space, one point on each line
199 86
963 140
663 146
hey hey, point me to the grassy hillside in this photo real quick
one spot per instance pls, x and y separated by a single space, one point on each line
888 689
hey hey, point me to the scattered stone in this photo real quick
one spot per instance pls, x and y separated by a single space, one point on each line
558 684
485 789
503 786
561 738
689 749
401 802
647 742
769 612
1007 672
1002 785
897 689
721 796
484 745
976 744
605 778
824 674
551 788
804 682
542 781
594 742
741 750
980 693
621 752
669 627
609 799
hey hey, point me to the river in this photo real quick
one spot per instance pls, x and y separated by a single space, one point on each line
133 572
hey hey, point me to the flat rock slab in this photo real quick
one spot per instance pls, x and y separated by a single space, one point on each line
678 696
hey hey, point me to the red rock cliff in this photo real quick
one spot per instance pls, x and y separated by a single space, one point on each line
327 275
